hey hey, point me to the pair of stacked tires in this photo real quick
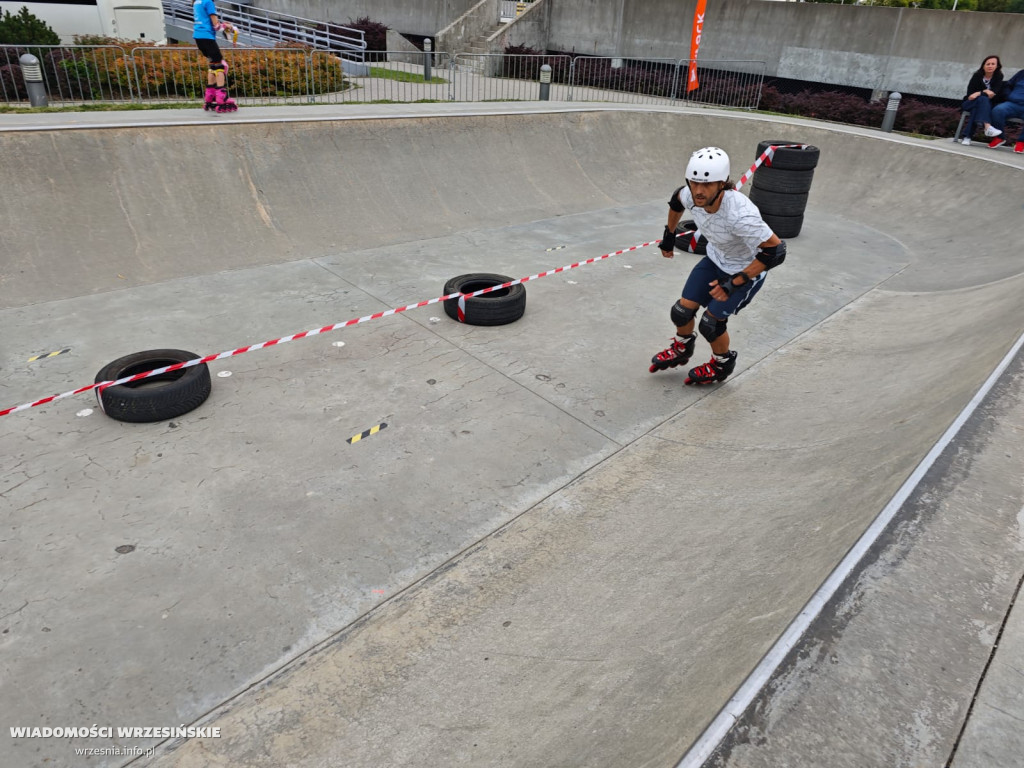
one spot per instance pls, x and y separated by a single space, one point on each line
782 185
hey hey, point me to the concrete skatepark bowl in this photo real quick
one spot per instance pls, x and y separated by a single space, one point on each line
550 556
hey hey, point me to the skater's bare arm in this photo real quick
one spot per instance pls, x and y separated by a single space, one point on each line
752 270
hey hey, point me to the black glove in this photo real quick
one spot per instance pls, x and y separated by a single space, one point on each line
729 286
668 240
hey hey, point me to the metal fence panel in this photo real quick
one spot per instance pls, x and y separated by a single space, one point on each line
169 74
290 75
72 74
506 77
255 75
398 76
725 83
664 81
630 81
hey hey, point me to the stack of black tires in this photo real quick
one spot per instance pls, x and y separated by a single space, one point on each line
781 186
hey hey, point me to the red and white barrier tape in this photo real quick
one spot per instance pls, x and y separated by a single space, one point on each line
768 154
101 385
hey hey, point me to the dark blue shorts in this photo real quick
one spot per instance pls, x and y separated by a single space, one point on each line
698 289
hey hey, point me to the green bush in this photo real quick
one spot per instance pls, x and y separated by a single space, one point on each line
26 29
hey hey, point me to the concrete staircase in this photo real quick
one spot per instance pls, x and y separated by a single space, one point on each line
477 31
482 44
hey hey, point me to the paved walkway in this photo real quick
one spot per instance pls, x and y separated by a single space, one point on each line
548 556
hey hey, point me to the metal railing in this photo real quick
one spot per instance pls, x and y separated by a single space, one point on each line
261 28
71 73
291 75
501 77
663 81
510 9
257 75
395 81
497 76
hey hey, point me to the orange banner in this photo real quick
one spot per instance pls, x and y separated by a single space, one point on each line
698 27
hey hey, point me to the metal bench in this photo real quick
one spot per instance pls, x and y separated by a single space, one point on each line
1019 122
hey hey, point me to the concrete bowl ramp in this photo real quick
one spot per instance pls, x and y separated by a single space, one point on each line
549 557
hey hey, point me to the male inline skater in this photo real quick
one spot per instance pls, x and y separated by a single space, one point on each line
741 248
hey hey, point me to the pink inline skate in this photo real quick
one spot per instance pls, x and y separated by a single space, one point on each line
210 102
225 104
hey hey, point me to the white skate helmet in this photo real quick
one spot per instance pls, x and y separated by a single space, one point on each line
708 164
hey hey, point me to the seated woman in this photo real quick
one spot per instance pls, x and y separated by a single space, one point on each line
986 84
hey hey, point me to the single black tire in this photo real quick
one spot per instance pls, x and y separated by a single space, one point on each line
778 203
784 226
685 242
778 180
156 398
790 158
495 308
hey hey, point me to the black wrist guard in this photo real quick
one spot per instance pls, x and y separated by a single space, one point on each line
729 286
772 257
668 240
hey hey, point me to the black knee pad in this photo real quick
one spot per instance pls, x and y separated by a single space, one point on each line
681 315
711 327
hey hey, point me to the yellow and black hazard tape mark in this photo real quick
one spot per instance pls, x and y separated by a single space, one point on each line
556 248
367 433
49 354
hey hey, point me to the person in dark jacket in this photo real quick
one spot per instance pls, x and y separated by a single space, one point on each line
986 84
1011 106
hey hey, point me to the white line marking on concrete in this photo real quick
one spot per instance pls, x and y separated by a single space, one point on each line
755 682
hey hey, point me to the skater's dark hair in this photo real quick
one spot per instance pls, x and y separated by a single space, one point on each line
999 65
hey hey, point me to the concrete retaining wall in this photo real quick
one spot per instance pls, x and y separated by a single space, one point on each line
904 49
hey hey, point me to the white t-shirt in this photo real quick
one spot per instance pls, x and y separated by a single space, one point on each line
733 232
